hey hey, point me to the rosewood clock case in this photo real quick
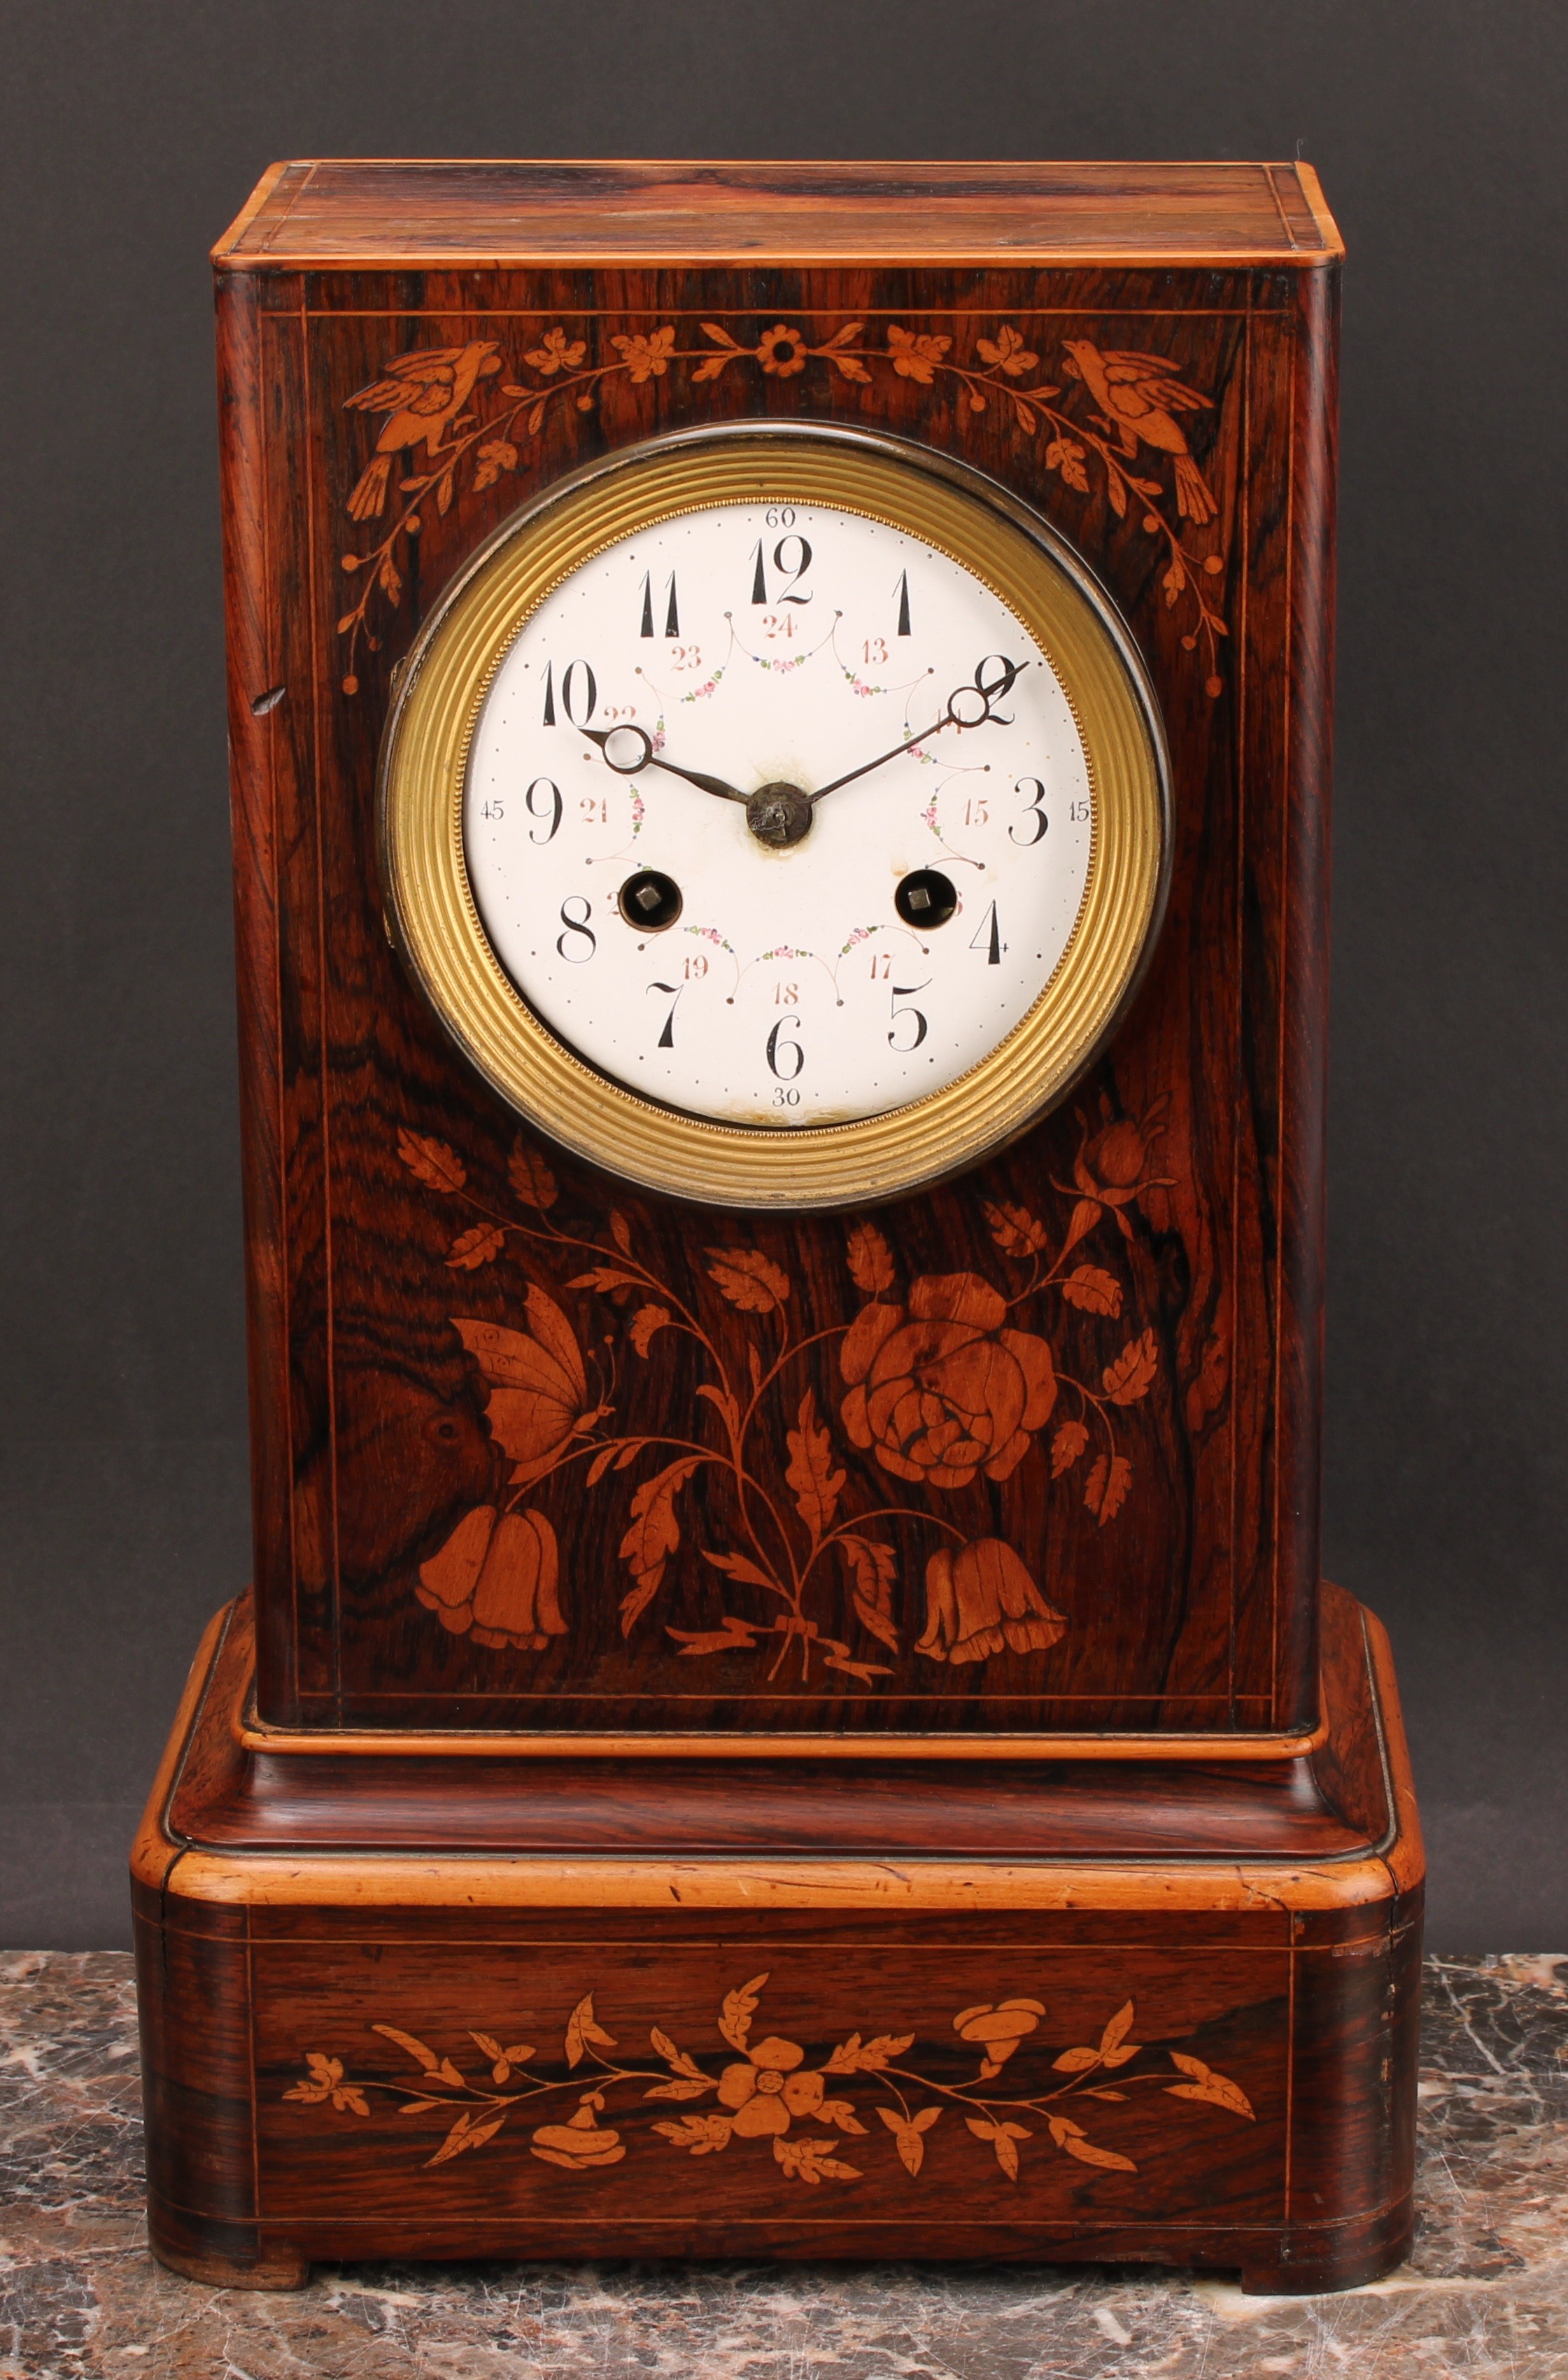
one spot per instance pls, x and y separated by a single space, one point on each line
1047 1699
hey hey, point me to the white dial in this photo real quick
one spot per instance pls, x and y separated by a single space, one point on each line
778 815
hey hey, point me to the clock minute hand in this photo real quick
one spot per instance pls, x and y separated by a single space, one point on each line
647 758
980 693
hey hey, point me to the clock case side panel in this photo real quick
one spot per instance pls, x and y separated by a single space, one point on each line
1304 1086
389 1067
269 693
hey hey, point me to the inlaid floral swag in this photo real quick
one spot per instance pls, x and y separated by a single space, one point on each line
941 1386
1122 404
768 2093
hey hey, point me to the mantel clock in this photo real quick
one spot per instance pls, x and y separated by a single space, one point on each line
779 723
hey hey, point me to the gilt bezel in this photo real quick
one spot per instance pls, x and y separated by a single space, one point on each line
436 923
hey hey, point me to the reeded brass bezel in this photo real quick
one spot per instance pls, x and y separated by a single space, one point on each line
666 1149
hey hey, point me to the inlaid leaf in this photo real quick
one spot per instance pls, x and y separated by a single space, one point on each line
645 1322
438 1167
701 2134
479 1244
531 1178
748 1278
732 1636
1128 1378
1117 493
909 2137
1001 2137
1105 1491
1217 2089
812 2161
1094 1291
742 1567
869 1259
839 2113
1077 2061
676 2059
605 1278
681 2088
653 1535
858 2056
465 2134
620 1231
1015 1229
1114 2047
1070 2136
838 1656
739 2007
809 1471
1066 1446
584 2032
600 1464
873 1568
416 2048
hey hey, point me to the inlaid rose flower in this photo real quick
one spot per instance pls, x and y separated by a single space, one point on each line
944 1390
765 2090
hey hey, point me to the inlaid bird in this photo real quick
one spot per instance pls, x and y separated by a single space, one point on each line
1138 397
423 394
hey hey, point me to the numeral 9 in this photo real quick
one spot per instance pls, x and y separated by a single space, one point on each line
552 809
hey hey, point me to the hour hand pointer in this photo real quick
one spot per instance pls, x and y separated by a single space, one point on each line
967 706
628 750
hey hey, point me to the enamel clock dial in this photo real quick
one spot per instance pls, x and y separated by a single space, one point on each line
776 816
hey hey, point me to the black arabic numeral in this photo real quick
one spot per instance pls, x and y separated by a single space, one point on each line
577 930
989 938
667 1036
780 1050
552 808
901 991
996 690
1033 813
793 571
576 690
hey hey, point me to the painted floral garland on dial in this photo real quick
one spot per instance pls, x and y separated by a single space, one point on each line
940 1385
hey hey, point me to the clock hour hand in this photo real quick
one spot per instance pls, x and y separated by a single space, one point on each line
636 752
966 705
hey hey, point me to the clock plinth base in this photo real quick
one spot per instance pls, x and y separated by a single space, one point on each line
436 2005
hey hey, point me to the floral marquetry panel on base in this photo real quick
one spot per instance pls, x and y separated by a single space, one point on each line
786 1706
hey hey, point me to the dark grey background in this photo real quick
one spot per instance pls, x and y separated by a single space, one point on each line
131 134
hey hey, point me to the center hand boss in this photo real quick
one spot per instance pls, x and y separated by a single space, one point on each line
978 702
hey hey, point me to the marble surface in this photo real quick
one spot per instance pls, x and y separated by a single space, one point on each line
1486 2291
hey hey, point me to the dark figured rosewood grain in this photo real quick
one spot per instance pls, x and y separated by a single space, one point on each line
1186 1594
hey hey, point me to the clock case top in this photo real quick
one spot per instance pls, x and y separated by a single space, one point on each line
1129 1548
